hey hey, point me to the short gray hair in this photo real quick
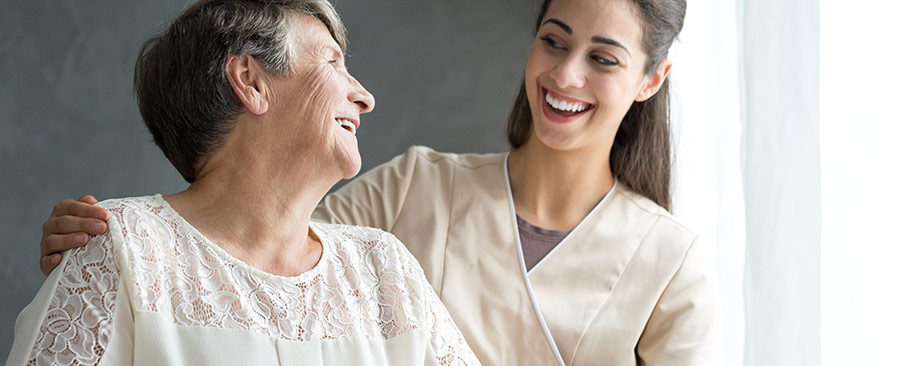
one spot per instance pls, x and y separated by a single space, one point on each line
183 95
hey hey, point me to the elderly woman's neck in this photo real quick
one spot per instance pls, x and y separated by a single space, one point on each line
259 213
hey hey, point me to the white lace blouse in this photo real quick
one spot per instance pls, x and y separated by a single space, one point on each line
154 291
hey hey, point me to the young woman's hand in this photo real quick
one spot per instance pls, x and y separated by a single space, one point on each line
70 225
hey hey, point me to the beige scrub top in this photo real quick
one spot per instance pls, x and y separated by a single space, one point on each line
628 285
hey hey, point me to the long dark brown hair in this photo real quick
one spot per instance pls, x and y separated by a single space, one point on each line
641 156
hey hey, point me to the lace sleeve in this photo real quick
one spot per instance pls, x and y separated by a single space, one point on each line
446 340
77 324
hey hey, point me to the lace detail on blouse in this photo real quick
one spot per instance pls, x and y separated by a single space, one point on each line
366 285
76 328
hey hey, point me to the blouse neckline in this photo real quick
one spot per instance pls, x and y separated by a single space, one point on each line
203 240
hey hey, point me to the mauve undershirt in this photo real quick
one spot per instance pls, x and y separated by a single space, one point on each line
537 242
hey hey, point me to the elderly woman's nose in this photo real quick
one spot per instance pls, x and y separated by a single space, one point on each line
360 96
569 73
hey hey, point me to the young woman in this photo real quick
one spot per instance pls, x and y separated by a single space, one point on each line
563 250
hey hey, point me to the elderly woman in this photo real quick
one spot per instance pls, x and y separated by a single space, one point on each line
251 102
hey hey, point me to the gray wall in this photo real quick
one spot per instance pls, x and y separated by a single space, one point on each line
444 73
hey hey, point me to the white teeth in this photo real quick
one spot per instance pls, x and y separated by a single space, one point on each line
564 106
347 124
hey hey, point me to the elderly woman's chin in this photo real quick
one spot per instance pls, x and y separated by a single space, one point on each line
347 154
353 167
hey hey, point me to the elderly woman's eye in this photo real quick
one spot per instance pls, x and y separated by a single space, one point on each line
552 43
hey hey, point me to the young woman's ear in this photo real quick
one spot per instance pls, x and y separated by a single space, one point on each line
248 81
654 81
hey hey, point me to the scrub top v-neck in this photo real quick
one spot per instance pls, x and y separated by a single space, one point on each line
626 286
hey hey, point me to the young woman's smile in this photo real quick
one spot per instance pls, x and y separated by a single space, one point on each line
583 74
562 109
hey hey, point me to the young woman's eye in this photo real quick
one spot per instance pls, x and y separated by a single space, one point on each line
552 43
604 61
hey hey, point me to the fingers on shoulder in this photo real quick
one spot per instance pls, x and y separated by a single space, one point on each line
49 262
74 224
59 242
84 207
89 199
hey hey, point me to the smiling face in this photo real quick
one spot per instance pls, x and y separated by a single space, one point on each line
585 69
318 104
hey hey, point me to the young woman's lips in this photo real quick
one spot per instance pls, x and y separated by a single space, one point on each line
559 115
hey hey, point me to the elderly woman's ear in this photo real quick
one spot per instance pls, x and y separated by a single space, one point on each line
249 81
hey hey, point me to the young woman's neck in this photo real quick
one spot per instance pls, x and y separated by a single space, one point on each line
556 189
257 209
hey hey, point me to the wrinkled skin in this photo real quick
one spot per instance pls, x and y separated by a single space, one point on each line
317 90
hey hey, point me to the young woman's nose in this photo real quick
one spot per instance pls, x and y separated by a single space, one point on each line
569 73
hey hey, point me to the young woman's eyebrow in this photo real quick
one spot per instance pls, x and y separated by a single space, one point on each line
609 41
560 23
595 39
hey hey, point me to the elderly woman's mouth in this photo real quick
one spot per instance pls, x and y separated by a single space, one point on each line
347 125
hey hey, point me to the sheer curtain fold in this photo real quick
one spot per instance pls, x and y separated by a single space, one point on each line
861 130
706 128
788 132
781 153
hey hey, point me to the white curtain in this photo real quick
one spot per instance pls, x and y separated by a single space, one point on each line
862 140
707 131
781 154
790 162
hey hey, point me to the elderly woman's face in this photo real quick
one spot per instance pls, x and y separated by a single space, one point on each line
320 102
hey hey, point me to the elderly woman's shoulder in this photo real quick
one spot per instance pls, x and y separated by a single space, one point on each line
344 234
364 241
142 216
131 205
126 215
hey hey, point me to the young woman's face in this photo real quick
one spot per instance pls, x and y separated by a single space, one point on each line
584 71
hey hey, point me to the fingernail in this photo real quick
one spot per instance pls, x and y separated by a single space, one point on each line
102 215
81 238
55 259
99 228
